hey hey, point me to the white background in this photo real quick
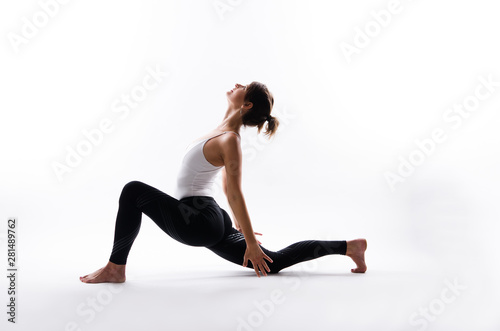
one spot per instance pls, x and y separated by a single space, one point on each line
345 122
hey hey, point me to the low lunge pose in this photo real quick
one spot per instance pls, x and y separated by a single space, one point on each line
194 218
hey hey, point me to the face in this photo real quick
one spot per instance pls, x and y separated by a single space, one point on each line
237 95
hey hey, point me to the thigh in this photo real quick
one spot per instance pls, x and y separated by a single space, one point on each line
203 221
162 208
194 222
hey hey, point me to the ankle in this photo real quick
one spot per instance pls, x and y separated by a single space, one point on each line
352 247
114 266
349 249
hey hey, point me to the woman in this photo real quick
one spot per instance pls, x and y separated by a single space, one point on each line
195 218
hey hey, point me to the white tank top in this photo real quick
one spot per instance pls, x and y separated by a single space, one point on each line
196 175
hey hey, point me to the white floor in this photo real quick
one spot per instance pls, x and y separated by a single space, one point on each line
217 295
424 273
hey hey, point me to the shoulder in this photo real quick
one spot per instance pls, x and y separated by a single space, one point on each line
230 144
231 137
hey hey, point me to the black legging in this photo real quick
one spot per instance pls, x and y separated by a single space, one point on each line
199 221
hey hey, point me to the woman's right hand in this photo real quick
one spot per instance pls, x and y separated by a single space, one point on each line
255 255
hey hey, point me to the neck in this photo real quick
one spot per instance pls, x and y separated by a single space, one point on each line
232 120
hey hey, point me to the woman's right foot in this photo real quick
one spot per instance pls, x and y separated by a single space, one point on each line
356 251
111 273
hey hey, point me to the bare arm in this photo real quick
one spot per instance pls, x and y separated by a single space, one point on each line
224 188
232 156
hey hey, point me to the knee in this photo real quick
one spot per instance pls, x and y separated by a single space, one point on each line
130 190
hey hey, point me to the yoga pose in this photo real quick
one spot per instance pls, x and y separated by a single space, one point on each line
194 218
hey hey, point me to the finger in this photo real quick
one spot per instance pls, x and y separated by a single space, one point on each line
257 271
268 258
260 234
263 270
267 267
245 260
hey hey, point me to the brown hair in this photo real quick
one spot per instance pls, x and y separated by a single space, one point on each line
263 102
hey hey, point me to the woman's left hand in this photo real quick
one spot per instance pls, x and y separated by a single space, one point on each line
255 254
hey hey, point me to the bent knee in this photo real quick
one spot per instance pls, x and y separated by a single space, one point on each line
131 189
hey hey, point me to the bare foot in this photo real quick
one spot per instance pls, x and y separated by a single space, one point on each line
111 273
356 251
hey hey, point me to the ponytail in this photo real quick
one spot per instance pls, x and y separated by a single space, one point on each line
263 102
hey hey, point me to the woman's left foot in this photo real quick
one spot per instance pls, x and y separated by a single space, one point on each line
111 273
